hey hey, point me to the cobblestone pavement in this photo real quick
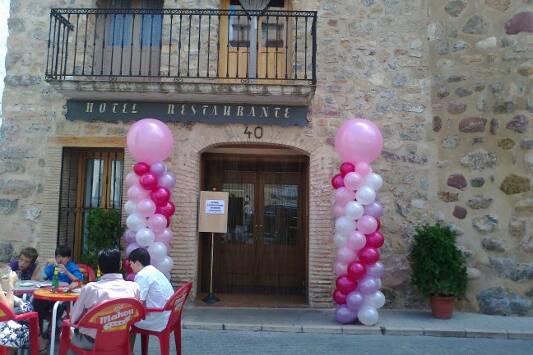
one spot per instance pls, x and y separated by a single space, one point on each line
206 342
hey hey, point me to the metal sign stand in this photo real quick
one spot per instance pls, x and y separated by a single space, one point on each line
211 298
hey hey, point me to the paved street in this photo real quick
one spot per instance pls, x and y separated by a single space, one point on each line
204 342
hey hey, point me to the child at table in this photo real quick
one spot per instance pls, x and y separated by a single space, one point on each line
12 334
26 265
69 273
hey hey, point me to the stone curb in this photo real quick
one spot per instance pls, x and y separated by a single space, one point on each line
361 330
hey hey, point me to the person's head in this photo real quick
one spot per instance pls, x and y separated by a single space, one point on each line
139 258
63 254
109 261
27 257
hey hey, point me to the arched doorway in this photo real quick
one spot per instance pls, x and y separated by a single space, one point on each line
262 260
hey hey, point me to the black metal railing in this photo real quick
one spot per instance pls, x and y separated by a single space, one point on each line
182 45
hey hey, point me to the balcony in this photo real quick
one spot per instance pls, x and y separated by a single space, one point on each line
192 55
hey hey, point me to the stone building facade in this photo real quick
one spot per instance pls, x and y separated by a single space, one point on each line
448 82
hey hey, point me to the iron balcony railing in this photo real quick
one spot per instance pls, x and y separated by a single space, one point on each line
182 45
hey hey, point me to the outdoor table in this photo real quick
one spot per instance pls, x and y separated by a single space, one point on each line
25 287
58 297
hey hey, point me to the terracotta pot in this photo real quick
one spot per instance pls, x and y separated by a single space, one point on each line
442 307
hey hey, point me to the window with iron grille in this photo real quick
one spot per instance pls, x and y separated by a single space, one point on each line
90 179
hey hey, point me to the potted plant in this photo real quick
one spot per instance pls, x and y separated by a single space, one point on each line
103 230
438 268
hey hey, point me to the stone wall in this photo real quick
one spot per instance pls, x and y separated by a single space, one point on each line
448 87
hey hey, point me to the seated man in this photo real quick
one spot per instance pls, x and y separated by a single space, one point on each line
155 289
26 265
111 286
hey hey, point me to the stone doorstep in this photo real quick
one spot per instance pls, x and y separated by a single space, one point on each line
361 330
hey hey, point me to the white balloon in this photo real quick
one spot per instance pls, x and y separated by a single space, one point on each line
165 265
368 315
157 251
377 270
340 269
135 222
132 179
130 207
365 195
374 181
375 300
340 240
354 210
144 237
344 225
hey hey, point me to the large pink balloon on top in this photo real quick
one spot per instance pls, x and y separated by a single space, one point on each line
358 140
150 141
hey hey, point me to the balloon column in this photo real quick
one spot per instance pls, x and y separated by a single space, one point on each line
149 206
357 227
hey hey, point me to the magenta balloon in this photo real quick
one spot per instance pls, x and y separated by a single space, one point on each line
367 224
148 181
368 256
339 297
346 168
356 271
150 140
358 140
160 196
353 181
158 168
166 210
375 209
345 315
337 181
354 300
141 168
375 240
345 285
167 181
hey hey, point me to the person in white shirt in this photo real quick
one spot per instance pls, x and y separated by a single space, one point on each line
155 290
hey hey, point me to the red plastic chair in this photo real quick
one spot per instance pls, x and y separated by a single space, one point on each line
112 321
87 270
32 318
175 306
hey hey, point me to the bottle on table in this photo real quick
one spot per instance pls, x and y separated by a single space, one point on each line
98 274
55 279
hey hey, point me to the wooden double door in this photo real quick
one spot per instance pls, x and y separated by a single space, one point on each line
264 250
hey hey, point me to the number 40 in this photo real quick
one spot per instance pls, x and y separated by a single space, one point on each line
257 132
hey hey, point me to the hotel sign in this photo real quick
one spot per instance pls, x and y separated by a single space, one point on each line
115 111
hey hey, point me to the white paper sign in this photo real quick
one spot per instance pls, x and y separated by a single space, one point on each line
214 206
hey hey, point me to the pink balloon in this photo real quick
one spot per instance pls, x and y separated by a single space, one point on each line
337 181
358 140
129 236
146 207
345 285
132 179
166 210
363 169
375 209
160 196
167 181
345 255
148 181
353 181
141 168
367 224
375 240
158 168
157 223
368 256
343 196
165 236
337 211
356 240
150 140
130 277
136 193
339 297
376 270
346 168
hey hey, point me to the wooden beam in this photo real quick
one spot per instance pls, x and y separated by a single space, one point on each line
94 142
